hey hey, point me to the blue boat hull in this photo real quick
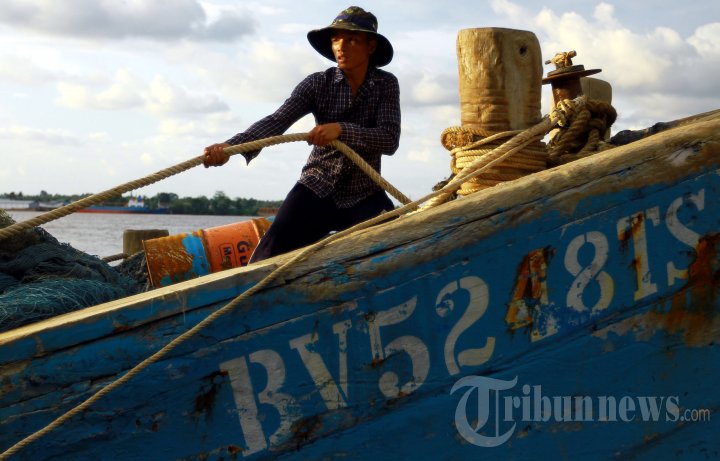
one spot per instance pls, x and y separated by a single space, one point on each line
570 315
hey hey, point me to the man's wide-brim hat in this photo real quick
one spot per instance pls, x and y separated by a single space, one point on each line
353 18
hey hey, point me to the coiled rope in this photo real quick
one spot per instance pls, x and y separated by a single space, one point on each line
558 116
466 145
565 111
584 135
100 197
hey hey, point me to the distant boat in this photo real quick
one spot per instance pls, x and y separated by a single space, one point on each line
14 205
28 205
44 206
134 205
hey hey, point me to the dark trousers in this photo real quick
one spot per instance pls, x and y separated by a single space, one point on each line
305 218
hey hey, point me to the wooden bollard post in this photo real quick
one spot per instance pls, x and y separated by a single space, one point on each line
500 81
500 75
594 88
133 238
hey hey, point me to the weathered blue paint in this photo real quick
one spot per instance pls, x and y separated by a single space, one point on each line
595 292
193 246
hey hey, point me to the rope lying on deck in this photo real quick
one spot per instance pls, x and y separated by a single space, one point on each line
559 116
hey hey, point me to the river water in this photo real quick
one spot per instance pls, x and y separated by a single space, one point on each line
101 234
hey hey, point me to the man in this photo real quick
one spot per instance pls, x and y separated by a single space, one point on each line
356 103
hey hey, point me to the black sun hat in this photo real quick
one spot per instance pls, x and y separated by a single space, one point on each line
353 18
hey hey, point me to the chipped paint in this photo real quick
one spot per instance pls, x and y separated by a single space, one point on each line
530 288
681 156
691 312
356 358
176 258
205 400
186 256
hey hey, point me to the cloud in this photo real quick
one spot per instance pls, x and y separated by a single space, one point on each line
20 69
626 57
123 93
163 97
508 9
706 40
267 71
429 89
147 159
174 76
421 155
153 19
229 27
175 128
658 69
130 92
40 136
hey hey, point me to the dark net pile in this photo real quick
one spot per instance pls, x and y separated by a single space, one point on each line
135 267
41 277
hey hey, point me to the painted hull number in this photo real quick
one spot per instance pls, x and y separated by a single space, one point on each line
395 345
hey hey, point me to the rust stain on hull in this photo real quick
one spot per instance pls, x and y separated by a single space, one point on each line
305 430
205 400
529 292
693 311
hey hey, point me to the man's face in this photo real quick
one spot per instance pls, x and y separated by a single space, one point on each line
352 49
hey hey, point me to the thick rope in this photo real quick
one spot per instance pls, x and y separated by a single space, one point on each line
584 136
465 149
558 116
115 257
370 171
564 111
100 197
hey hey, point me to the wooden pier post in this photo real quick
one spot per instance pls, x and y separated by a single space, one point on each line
133 238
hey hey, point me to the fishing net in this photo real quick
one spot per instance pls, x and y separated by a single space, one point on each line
41 277
136 268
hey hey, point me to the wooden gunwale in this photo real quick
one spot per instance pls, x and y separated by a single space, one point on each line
693 146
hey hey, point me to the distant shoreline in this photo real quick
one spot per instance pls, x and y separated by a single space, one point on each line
217 205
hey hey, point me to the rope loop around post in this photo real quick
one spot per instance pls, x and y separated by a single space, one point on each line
582 132
562 113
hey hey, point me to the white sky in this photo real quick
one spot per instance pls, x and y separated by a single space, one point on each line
94 93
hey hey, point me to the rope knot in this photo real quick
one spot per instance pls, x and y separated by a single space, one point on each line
583 125
566 109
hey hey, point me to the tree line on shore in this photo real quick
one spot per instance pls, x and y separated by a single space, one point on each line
218 204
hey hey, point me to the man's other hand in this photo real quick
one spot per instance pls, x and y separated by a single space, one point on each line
215 155
322 135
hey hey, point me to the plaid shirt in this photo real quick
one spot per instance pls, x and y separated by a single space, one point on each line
370 125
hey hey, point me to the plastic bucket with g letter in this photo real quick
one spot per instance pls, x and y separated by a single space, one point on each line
181 257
